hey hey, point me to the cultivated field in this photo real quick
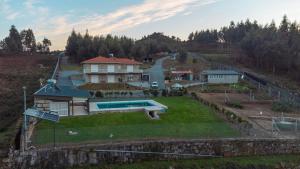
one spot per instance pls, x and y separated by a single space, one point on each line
185 118
17 71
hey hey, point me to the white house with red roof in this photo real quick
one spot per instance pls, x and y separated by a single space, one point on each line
111 70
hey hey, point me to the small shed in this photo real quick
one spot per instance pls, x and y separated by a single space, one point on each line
66 100
220 76
182 75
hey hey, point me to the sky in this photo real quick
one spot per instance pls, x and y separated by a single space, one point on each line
55 19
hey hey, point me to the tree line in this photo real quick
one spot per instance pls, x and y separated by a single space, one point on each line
269 47
81 47
23 42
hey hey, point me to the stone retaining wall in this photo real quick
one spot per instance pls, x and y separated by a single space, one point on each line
95 154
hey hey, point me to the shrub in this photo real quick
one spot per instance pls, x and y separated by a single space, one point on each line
99 94
282 107
146 92
235 105
164 93
154 92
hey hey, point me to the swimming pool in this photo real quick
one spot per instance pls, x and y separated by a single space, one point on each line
133 105
124 104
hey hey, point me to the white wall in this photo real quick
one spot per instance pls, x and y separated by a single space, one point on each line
222 79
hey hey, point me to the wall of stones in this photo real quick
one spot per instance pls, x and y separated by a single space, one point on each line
100 154
42 104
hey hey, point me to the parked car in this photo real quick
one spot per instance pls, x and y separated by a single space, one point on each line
154 85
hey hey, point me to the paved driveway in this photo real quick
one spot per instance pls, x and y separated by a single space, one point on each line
156 73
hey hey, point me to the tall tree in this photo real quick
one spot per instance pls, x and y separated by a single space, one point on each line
46 44
28 40
13 41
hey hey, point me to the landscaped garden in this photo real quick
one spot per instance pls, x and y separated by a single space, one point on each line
185 118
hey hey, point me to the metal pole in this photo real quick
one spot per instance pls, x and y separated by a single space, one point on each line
54 135
25 120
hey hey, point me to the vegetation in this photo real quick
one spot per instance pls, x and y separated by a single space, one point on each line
81 47
235 104
282 107
23 42
185 118
17 71
251 162
269 48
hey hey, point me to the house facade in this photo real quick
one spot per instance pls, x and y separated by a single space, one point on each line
220 76
111 70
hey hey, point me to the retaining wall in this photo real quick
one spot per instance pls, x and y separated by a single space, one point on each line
95 154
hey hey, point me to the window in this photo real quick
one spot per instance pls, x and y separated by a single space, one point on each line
129 68
94 68
94 79
111 68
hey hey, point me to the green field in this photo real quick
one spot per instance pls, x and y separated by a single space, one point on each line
185 118
265 162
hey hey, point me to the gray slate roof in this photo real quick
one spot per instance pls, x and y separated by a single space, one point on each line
220 72
63 91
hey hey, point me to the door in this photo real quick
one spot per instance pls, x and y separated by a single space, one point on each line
110 79
62 108
94 79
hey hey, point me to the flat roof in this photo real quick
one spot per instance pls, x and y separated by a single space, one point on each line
220 72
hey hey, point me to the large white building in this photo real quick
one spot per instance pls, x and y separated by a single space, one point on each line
111 70
220 76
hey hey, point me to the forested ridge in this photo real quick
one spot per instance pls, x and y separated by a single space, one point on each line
80 47
267 47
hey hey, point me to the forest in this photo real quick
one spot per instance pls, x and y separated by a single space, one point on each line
268 47
81 47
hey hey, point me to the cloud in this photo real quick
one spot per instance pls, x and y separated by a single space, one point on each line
118 20
6 10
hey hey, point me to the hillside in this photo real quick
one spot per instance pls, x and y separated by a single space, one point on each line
17 70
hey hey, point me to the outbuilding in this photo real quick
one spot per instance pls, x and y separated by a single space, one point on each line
65 100
220 76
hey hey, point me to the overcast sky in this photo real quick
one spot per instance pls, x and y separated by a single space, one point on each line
55 19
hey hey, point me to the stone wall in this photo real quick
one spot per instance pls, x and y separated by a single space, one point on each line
42 104
100 154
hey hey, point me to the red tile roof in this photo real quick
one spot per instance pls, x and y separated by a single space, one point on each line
101 59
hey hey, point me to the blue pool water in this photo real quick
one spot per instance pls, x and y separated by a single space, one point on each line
123 104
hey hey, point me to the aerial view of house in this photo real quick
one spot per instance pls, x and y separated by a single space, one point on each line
150 84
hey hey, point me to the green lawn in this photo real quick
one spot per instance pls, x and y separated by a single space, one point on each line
185 118
289 161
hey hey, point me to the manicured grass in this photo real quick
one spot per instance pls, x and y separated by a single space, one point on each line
185 118
237 162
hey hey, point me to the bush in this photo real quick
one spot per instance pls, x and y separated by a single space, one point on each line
99 94
146 92
164 93
282 107
235 105
154 92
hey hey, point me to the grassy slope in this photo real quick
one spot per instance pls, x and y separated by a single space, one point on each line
185 118
238 162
